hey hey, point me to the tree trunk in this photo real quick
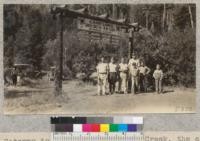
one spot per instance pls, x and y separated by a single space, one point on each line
132 14
191 17
147 19
164 16
114 11
167 18
170 23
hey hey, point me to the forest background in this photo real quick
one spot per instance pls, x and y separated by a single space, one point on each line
168 37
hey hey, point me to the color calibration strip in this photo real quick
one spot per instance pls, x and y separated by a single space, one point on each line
97 124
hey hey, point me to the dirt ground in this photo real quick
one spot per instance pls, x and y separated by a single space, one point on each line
81 98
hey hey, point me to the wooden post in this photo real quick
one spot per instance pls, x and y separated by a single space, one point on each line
59 65
131 33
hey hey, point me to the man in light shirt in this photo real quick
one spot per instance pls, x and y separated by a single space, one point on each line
102 74
144 71
134 72
134 60
112 76
158 76
123 69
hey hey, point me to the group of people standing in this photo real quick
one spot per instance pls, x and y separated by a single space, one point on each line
130 77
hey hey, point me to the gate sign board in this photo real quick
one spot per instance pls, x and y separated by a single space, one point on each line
100 31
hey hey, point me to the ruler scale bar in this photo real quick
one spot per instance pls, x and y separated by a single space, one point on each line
96 137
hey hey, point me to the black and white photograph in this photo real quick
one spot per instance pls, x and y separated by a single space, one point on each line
99 58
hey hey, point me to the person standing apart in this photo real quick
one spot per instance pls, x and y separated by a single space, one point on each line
123 70
112 76
158 76
14 76
102 76
144 71
134 72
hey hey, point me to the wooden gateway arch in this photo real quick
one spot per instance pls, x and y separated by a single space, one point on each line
94 24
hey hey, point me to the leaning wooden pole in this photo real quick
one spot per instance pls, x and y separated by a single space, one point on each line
191 17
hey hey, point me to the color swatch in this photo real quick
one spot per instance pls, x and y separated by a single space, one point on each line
123 127
97 124
113 127
104 128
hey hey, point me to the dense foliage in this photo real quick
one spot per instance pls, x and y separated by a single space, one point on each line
31 35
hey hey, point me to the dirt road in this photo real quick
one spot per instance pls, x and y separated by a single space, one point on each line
81 98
